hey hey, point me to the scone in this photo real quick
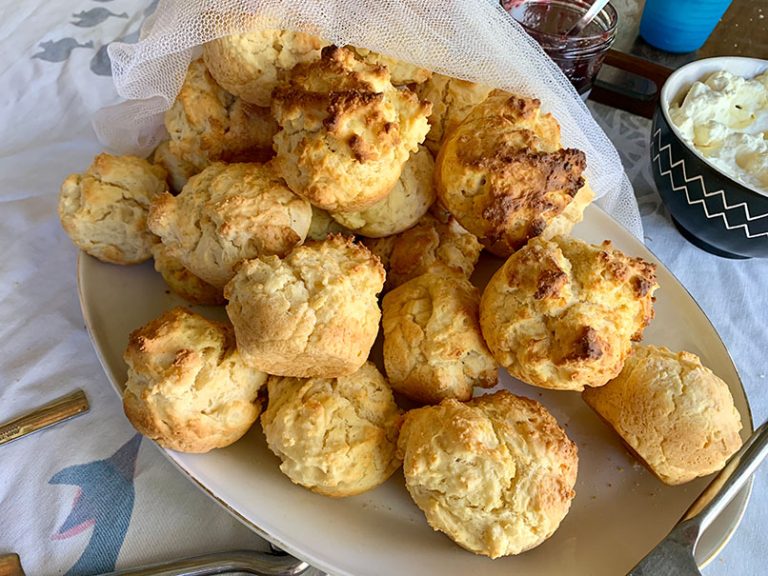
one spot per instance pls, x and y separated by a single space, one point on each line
229 213
504 176
452 100
207 124
178 170
673 413
188 389
251 65
335 436
401 73
312 314
496 474
323 225
562 314
104 210
436 245
182 282
433 347
346 131
405 204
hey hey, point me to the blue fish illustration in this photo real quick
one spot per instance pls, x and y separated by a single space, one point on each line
94 17
59 50
103 502
101 64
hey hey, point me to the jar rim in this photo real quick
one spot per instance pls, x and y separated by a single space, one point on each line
607 16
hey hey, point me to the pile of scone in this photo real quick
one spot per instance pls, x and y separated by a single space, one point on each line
300 180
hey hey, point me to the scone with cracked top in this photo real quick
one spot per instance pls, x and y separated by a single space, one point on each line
436 244
179 171
251 65
504 176
104 209
401 73
335 436
562 313
433 346
672 412
405 204
208 124
229 213
182 282
452 100
346 131
495 474
312 314
188 388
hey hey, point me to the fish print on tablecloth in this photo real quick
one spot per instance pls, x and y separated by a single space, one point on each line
104 503
94 17
59 50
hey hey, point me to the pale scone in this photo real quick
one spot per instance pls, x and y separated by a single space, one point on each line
104 209
207 124
504 176
182 282
179 171
323 225
436 245
495 474
562 314
251 65
673 413
433 347
346 131
188 389
405 204
401 73
335 436
312 314
229 213
452 100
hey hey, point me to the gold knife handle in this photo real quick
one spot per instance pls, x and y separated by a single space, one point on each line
49 414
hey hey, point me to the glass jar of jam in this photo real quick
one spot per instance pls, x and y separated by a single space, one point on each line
578 56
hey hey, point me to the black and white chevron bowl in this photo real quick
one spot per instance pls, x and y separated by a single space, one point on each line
711 209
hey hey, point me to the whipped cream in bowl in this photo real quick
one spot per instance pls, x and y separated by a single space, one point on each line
724 117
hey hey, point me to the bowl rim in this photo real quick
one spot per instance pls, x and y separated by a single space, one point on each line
710 65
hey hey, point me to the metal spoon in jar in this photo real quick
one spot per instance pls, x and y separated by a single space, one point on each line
584 21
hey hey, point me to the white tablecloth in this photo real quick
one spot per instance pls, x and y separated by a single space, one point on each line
54 508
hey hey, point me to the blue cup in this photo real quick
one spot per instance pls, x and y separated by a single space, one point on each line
680 25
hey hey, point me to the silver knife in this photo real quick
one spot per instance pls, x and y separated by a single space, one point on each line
674 555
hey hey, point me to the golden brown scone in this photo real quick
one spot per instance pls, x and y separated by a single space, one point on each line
562 313
432 245
182 282
178 170
401 73
673 413
335 436
104 210
312 314
452 100
495 474
503 175
346 131
229 213
405 204
433 347
188 389
207 124
251 65
323 225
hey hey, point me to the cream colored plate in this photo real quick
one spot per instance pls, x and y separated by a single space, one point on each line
620 511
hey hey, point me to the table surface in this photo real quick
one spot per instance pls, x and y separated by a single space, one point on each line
54 510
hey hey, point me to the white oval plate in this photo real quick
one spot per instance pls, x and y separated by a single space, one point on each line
620 511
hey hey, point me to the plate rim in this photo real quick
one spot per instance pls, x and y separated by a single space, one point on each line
168 454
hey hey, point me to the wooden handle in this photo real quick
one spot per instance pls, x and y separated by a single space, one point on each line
49 414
